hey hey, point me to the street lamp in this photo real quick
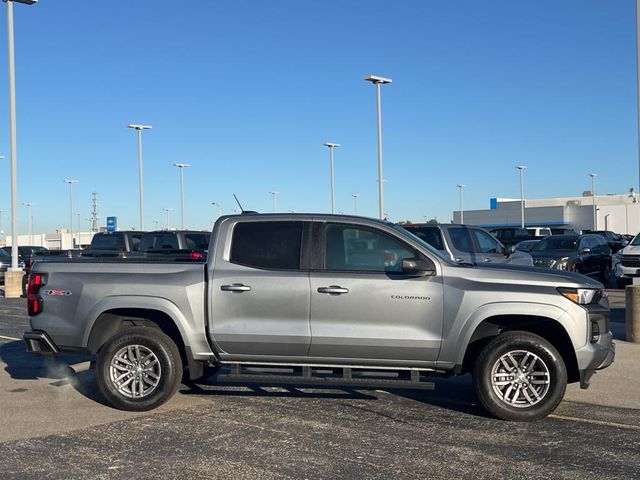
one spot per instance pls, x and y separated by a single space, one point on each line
168 212
139 129
333 197
355 200
12 136
30 230
220 208
521 168
593 197
181 167
70 183
461 187
377 81
274 194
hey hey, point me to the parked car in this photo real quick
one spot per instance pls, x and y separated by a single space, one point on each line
586 254
115 242
5 264
512 235
627 263
324 299
26 254
615 240
467 244
526 245
191 243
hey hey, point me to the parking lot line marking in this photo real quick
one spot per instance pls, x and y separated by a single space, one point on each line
596 422
9 338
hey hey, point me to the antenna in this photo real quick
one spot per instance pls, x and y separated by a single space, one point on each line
238 202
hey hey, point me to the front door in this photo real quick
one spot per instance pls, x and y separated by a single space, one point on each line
363 308
259 292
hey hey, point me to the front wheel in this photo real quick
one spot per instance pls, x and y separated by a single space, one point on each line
139 369
520 376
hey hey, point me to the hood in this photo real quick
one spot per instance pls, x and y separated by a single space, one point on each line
630 250
516 274
555 254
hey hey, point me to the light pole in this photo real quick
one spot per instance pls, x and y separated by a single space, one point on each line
156 224
220 208
333 196
521 168
181 167
274 194
139 128
12 134
461 187
377 81
355 200
29 205
168 212
638 79
593 196
70 183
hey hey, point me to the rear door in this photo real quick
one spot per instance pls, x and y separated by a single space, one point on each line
487 247
363 308
259 291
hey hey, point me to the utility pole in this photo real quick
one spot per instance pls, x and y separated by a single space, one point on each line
94 212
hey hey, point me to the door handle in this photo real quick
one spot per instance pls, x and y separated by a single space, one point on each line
235 287
334 289
486 259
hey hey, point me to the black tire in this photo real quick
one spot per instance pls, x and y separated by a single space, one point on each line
605 274
165 365
621 282
519 343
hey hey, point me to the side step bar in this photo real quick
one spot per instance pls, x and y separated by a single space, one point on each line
322 376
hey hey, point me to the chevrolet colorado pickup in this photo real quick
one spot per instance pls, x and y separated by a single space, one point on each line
326 299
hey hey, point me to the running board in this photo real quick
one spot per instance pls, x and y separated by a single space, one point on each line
325 376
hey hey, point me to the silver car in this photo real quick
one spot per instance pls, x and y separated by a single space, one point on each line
468 244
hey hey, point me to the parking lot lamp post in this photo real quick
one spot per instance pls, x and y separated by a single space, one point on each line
70 183
333 197
593 196
181 167
377 81
168 212
139 128
461 187
521 168
274 194
220 208
12 133
355 200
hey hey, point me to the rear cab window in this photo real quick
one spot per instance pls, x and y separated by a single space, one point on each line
267 245
461 239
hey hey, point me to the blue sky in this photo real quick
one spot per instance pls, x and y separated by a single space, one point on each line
247 92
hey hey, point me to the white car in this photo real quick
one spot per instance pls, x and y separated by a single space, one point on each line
627 263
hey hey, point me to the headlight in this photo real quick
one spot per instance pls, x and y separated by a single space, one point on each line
562 264
582 296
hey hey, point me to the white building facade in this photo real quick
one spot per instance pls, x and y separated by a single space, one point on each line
618 213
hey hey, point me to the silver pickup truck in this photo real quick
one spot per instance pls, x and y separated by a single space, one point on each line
323 300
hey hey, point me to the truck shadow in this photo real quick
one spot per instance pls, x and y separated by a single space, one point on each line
450 393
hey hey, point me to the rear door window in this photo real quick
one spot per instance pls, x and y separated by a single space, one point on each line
461 239
267 245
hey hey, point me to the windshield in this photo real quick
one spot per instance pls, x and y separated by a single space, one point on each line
107 242
557 243
415 238
3 253
636 240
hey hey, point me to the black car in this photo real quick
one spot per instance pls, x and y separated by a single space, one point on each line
615 240
114 243
25 255
193 243
526 245
587 254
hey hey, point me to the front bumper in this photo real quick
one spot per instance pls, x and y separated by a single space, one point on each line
621 271
39 343
600 354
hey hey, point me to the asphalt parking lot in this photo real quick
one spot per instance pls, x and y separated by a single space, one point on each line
53 424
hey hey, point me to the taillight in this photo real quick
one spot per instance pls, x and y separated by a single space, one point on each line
195 255
34 302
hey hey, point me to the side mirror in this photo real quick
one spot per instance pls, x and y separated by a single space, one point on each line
418 267
510 250
585 250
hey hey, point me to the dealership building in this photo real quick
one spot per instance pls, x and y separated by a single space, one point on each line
619 213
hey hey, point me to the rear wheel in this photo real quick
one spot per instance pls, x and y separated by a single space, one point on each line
520 376
139 369
622 282
605 275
